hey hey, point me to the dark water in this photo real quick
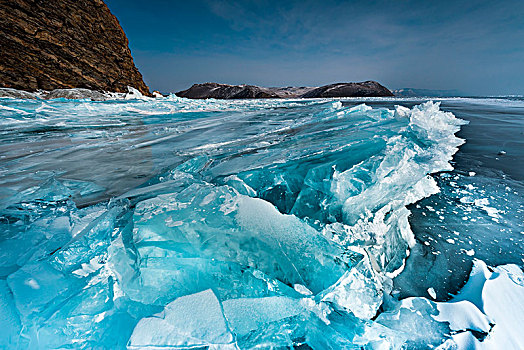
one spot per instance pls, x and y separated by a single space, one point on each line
494 151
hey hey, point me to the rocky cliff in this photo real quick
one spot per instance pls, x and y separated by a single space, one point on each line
53 44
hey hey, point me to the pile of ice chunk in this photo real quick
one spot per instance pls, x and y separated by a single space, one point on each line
272 240
485 315
200 320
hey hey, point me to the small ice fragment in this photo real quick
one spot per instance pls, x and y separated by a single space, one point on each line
302 289
336 105
170 223
100 317
466 200
481 201
359 290
501 153
470 252
32 283
432 293
472 173
450 241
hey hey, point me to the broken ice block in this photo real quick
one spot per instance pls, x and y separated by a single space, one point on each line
10 325
38 287
247 314
359 290
211 231
190 321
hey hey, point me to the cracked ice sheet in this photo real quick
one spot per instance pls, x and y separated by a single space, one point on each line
200 320
190 321
248 314
487 314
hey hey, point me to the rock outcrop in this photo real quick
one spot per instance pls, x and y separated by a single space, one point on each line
290 91
64 44
224 91
73 94
363 89
20 94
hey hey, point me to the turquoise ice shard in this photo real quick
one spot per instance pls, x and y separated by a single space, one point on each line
360 290
10 324
38 287
53 190
211 231
191 321
306 256
248 314
200 320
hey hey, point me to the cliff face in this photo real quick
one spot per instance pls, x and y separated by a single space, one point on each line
53 44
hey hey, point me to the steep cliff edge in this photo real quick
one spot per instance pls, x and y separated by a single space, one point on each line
64 44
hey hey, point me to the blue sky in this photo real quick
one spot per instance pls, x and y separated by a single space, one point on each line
473 46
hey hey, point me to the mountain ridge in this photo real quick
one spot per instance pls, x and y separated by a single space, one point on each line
225 91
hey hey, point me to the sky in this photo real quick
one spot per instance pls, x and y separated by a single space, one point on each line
476 47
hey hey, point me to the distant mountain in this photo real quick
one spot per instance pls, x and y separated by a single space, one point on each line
290 91
225 91
364 89
411 92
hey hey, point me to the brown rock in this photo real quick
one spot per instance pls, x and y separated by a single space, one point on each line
56 44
